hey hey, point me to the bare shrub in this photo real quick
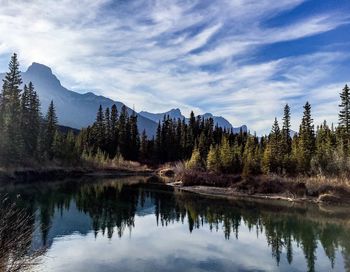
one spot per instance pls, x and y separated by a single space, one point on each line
16 230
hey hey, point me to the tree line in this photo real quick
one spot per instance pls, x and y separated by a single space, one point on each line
203 145
27 137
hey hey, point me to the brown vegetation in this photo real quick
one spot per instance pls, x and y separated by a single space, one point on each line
317 190
16 230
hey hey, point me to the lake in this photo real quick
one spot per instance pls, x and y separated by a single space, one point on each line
127 224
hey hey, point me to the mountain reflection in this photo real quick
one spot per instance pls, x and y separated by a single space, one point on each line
110 208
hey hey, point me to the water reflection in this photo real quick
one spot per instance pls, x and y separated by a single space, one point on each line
113 208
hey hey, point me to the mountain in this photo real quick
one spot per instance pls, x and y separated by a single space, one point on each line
73 109
156 117
176 113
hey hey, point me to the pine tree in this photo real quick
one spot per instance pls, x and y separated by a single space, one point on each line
58 146
344 117
108 132
213 159
307 139
286 139
11 143
324 150
25 120
71 153
158 143
123 134
275 145
100 130
251 157
34 120
134 145
144 154
114 130
267 159
195 161
50 130
226 156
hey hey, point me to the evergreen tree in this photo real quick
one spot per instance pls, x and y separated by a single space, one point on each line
50 130
25 121
34 121
324 150
123 132
307 139
213 159
114 130
99 130
144 153
108 132
226 156
11 142
275 145
58 146
286 139
266 162
158 144
251 157
134 145
195 161
344 117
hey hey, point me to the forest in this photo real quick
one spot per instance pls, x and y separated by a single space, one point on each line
28 139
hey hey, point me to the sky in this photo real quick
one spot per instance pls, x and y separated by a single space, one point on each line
240 59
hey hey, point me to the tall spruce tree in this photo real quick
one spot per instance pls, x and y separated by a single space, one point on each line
34 120
275 145
100 130
25 120
307 139
134 140
123 131
251 157
213 159
108 132
114 130
344 118
11 143
226 155
144 152
50 130
324 149
286 138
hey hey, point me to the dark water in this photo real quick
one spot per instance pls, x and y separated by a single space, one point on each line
129 225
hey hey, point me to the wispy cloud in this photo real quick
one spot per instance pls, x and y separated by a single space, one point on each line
160 54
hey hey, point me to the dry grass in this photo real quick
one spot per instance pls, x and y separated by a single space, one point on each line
16 229
116 164
315 183
195 177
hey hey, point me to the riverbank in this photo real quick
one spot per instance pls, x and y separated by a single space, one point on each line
27 175
295 189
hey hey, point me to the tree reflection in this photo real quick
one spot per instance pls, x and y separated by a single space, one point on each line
114 205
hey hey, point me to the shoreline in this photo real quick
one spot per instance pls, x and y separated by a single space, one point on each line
29 175
300 189
328 199
229 194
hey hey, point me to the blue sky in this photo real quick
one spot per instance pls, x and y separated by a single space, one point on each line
241 59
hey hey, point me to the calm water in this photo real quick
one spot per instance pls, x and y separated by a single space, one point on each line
128 225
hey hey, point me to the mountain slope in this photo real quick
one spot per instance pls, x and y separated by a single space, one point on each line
176 113
77 110
73 109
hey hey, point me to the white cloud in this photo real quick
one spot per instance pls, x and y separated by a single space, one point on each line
150 53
